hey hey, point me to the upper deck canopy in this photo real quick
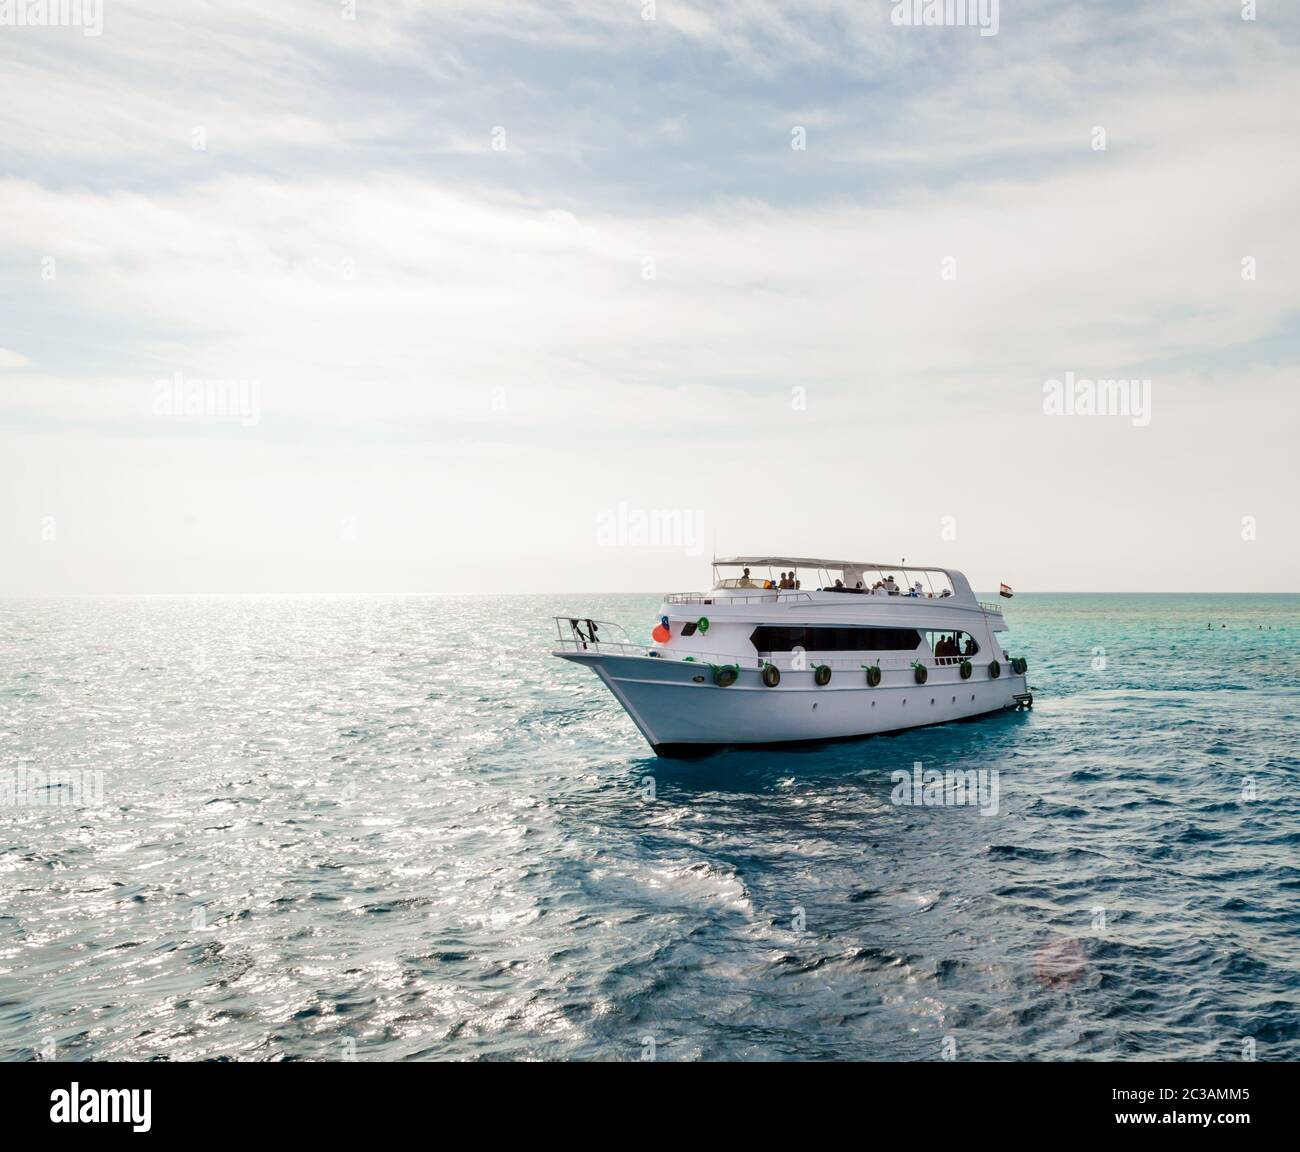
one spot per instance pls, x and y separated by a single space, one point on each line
855 573
813 562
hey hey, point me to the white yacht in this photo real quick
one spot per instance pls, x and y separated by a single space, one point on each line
791 650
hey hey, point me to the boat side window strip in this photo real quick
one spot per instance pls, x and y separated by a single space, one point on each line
814 638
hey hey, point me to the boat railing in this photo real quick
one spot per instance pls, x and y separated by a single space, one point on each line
583 632
576 633
775 595
726 596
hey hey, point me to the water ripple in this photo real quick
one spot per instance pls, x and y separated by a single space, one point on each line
393 826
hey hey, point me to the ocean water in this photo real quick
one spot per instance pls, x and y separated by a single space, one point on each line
393 827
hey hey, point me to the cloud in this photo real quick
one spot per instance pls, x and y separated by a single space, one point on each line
440 293
621 303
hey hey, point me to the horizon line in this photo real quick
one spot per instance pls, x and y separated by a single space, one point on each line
578 592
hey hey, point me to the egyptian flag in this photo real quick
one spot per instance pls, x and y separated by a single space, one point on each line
1006 591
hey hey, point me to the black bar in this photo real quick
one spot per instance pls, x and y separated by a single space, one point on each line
336 1101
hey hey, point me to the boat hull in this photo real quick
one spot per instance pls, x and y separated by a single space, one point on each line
682 713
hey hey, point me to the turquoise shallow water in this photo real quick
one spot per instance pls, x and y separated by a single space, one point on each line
395 826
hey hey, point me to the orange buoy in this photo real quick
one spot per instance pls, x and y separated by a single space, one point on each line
661 634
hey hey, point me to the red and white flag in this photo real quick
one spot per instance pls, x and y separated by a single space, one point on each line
1006 591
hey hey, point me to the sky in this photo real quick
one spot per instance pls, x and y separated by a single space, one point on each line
514 296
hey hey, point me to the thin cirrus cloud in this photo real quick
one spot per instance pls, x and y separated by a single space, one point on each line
647 268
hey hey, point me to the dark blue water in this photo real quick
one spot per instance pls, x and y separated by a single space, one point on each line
394 827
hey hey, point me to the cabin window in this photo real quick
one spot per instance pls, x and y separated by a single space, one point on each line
774 638
950 647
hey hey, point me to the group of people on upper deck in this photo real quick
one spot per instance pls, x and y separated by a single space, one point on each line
887 587
787 582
